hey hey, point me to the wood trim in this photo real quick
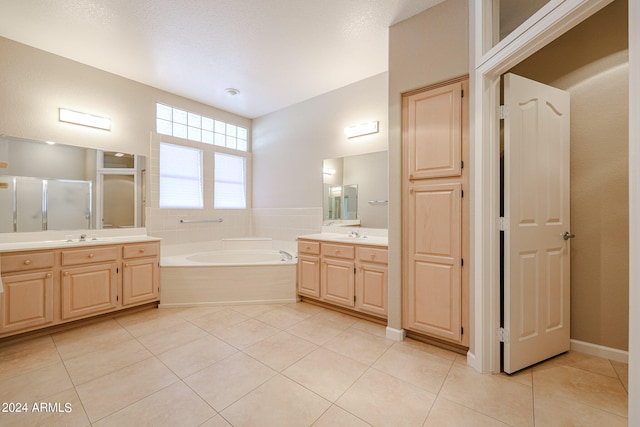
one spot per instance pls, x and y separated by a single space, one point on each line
436 86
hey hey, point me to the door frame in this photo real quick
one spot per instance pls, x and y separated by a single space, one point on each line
484 354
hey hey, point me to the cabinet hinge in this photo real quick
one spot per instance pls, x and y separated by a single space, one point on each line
461 164
502 335
117 270
503 223
354 270
462 93
117 297
462 262
461 330
502 112
354 298
461 193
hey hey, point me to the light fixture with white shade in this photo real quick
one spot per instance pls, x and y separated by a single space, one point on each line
84 119
361 129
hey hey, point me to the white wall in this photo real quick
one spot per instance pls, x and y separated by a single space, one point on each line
289 145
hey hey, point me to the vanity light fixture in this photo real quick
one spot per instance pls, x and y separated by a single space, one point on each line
84 119
328 171
119 155
361 129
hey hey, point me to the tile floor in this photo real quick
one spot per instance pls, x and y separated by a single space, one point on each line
285 365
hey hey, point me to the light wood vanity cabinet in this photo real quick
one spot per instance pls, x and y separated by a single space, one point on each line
45 288
140 273
27 300
352 276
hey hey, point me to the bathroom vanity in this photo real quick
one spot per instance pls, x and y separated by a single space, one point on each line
49 283
344 271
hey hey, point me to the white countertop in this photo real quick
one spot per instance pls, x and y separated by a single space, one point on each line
344 238
60 242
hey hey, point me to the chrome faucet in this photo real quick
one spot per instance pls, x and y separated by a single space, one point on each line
354 233
287 255
83 237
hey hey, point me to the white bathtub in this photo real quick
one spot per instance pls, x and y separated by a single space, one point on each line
231 271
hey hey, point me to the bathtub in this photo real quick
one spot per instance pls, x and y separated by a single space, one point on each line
230 271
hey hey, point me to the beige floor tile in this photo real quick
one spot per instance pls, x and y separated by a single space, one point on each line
492 395
191 313
189 358
148 321
36 385
343 320
27 356
370 327
175 405
92 365
383 400
174 336
446 413
89 338
282 317
280 350
112 392
228 380
327 373
599 391
62 409
303 307
10 347
428 348
622 369
279 402
216 421
252 310
415 366
359 345
246 333
525 376
582 361
551 410
338 417
317 330
219 320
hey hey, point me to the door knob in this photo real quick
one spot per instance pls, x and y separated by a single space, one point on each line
567 235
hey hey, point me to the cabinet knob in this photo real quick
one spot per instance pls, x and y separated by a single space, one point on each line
91 255
49 275
142 251
27 262
66 273
126 265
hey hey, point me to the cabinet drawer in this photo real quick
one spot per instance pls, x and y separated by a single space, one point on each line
338 251
86 256
26 261
372 255
141 250
306 247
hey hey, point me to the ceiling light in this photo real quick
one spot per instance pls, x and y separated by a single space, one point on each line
232 91
84 119
119 154
361 129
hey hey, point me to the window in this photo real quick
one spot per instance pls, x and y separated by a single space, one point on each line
230 175
180 177
183 124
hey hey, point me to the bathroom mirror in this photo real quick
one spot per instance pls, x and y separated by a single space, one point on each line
60 187
356 190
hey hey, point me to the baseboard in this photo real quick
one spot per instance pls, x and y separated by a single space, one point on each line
600 351
395 334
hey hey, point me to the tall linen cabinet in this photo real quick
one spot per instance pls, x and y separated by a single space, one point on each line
435 219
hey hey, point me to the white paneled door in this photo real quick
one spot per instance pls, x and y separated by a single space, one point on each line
537 233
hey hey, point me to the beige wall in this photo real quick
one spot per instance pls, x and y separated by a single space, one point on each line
289 145
594 69
34 84
428 48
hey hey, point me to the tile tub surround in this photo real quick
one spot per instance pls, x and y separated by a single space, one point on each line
231 366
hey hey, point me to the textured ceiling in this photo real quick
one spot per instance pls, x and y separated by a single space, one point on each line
276 52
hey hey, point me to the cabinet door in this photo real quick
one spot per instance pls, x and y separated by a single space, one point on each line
371 289
88 289
433 132
337 281
432 302
140 281
309 275
27 301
